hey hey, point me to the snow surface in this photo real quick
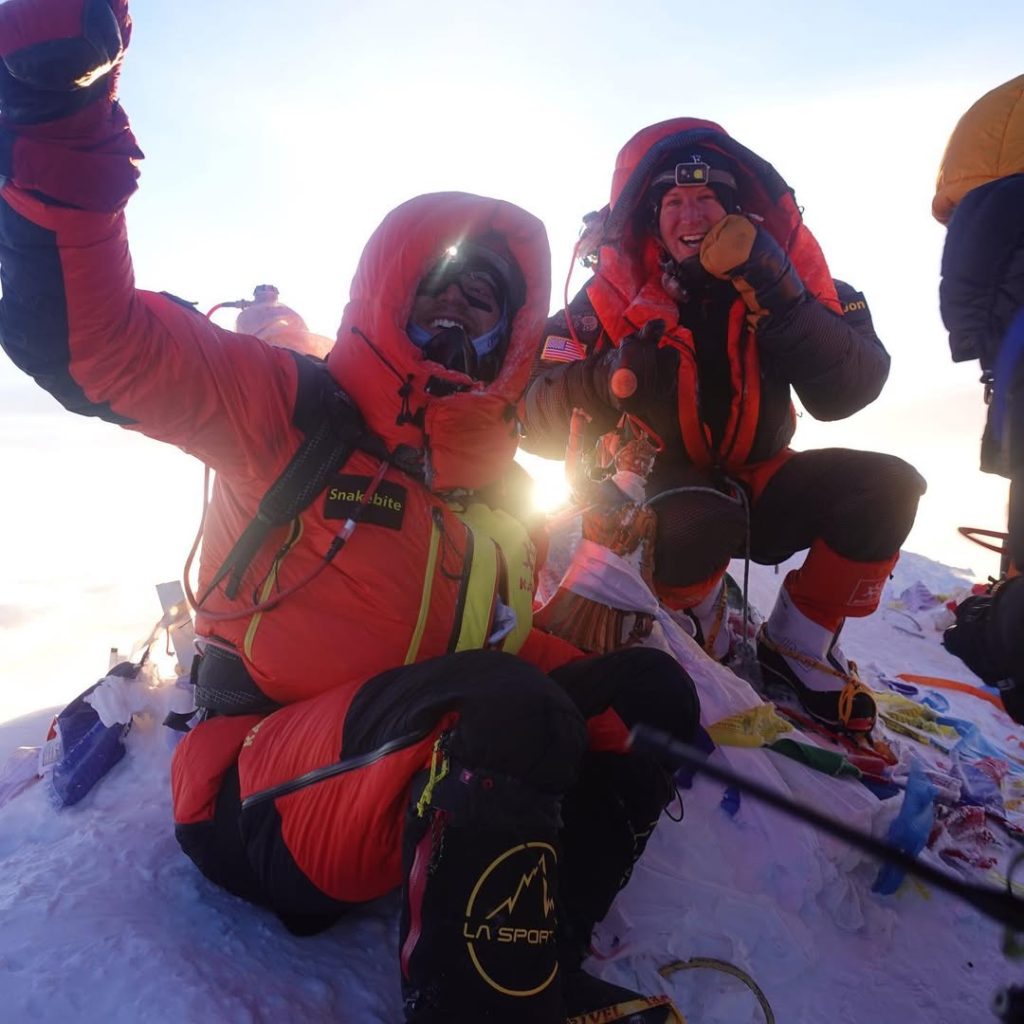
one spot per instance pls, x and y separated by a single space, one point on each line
104 919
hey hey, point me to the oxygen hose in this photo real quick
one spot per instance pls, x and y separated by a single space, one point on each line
233 304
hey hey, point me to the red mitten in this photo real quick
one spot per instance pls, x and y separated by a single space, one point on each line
62 135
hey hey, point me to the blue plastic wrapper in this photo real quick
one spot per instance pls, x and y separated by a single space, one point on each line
699 741
730 802
90 748
911 828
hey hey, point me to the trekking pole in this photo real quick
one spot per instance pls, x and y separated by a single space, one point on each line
993 903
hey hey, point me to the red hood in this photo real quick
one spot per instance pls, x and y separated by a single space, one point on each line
467 439
628 259
633 151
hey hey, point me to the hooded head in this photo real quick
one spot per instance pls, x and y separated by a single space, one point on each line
680 153
420 274
986 144
683 151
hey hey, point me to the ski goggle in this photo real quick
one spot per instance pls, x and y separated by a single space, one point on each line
480 288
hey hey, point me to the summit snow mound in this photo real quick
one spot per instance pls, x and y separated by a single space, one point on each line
103 917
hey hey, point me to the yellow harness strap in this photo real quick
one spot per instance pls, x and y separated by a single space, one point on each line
502 567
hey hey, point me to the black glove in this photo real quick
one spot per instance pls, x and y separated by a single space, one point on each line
638 374
737 250
988 637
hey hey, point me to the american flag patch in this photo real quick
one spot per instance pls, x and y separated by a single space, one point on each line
562 350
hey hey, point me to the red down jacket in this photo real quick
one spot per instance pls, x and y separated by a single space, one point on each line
420 574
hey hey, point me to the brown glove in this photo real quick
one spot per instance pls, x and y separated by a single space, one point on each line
737 250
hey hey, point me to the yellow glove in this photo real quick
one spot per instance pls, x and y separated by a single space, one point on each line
737 250
728 244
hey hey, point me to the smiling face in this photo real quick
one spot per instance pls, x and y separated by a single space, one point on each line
469 299
687 213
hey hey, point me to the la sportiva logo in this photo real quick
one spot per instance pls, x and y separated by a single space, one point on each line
511 910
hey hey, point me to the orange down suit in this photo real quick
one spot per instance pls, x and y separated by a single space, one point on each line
396 593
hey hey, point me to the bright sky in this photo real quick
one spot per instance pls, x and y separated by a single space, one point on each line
277 136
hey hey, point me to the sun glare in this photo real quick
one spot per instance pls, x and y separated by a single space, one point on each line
550 491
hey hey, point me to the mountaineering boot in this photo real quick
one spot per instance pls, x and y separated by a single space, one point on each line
805 655
481 857
608 816
589 1000
479 924
708 623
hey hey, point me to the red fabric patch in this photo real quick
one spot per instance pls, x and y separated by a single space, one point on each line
200 762
607 732
546 651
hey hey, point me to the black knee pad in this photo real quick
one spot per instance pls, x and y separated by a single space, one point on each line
641 684
518 722
660 692
897 487
512 718
874 519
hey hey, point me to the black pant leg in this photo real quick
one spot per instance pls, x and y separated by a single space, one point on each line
861 504
700 526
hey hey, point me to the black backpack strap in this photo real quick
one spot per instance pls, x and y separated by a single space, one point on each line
334 429
225 687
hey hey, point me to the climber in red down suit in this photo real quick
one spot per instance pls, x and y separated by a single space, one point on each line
379 711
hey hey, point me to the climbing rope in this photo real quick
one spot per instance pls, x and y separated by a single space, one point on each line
712 963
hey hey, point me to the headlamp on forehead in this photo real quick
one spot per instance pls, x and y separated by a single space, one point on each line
695 171
487 279
693 174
